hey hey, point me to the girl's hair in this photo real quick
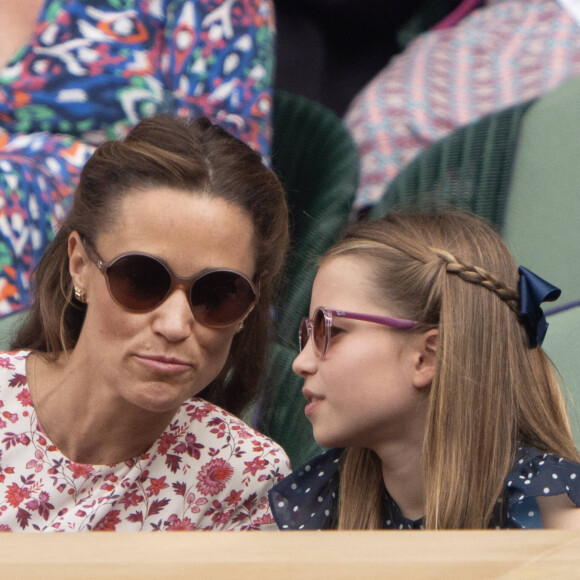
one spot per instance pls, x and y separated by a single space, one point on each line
194 156
490 392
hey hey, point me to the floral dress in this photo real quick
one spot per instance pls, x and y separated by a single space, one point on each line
308 498
90 72
208 470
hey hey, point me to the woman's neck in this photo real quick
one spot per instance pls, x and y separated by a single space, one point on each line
83 426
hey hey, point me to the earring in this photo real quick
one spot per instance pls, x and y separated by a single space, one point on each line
80 295
240 326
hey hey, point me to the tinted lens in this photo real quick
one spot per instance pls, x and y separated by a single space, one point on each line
319 332
138 282
221 297
303 334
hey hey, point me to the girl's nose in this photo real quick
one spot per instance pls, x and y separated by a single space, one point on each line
306 362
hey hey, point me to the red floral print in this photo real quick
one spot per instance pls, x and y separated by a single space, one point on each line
212 477
16 495
80 470
255 465
157 485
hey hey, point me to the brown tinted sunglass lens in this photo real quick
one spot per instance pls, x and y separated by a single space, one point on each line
319 332
138 282
220 298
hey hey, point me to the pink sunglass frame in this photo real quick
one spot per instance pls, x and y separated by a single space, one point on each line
330 313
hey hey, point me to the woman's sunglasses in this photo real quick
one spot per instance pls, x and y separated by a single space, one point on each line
319 327
140 282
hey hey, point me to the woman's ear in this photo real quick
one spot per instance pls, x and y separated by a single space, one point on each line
426 358
78 261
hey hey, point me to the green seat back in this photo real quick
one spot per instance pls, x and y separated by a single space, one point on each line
542 219
470 169
562 346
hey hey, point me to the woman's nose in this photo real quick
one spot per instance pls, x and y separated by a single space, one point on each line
174 318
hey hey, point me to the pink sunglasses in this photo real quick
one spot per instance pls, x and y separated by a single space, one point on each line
319 327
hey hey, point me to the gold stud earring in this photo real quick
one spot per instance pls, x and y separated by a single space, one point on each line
80 295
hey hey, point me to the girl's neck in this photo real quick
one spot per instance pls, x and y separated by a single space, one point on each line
403 476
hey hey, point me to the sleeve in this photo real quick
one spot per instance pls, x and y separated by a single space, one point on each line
307 499
536 474
38 175
219 63
268 467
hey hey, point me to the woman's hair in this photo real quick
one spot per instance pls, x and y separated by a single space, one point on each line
190 155
490 392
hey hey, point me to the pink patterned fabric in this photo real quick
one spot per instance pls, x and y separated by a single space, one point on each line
507 52
208 470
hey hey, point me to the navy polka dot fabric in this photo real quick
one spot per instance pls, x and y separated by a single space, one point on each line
307 499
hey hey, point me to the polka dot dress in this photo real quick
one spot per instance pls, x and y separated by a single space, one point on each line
307 499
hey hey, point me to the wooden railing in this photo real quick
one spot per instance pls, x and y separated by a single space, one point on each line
473 555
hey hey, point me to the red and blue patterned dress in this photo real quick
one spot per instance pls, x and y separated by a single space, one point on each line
90 72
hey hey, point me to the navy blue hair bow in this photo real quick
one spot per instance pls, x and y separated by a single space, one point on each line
533 291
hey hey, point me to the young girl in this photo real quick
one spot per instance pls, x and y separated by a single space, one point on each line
422 360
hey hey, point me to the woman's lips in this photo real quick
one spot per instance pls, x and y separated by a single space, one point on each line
164 364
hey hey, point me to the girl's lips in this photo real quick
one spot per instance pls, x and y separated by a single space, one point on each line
314 401
164 364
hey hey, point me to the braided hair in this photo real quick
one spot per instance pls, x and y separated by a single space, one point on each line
477 275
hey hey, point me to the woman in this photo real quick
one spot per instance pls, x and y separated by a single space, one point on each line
422 358
156 290
74 73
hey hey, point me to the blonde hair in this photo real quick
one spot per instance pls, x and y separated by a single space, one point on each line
490 393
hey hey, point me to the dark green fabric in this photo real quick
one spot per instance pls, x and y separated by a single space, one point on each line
316 160
8 326
470 169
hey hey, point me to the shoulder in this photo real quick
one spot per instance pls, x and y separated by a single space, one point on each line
202 411
221 468
13 364
216 428
533 484
306 499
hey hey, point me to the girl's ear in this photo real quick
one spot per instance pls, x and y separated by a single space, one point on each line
78 261
426 358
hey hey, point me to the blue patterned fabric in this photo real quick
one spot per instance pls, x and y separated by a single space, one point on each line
90 72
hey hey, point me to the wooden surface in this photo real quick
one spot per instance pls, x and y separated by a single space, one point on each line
509 554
